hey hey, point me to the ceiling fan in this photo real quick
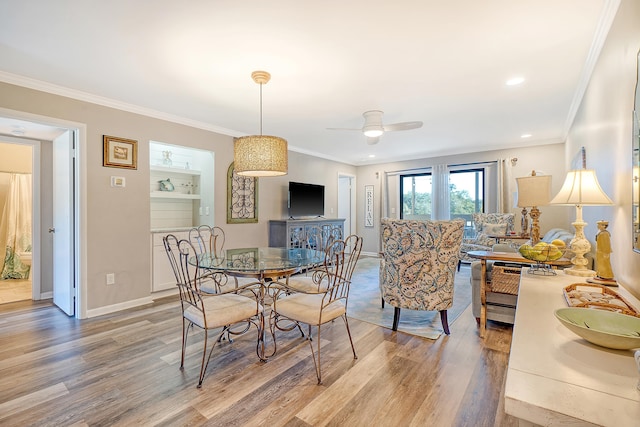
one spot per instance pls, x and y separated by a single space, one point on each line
373 127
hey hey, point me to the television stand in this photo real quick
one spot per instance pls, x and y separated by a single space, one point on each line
290 233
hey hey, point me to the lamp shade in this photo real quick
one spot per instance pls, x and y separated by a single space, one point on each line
260 155
581 188
534 190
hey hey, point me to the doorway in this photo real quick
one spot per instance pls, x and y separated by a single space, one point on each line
347 201
17 215
48 135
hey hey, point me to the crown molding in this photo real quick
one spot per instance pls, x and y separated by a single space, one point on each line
47 87
609 10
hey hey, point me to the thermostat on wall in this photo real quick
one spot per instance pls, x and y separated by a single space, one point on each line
117 181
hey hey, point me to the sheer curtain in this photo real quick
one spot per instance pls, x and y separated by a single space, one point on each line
504 197
15 227
440 192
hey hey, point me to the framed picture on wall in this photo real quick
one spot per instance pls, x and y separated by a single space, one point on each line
242 198
119 152
368 205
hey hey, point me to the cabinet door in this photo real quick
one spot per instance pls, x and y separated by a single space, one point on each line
163 277
296 236
162 273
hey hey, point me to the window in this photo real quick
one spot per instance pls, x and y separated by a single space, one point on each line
415 192
417 195
466 195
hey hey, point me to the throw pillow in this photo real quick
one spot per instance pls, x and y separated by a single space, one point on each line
495 229
484 240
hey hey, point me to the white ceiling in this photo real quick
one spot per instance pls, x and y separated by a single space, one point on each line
441 62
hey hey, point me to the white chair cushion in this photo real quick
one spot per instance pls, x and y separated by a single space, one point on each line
223 310
306 284
306 308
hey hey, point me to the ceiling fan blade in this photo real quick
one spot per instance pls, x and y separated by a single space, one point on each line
344 129
373 140
402 126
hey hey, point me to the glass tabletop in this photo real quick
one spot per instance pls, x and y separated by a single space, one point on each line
260 260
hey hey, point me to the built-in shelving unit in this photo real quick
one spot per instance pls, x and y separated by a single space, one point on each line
191 203
174 195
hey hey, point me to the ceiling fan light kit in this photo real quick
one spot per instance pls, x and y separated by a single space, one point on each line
373 127
260 155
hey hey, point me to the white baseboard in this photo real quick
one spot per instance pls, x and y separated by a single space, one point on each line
119 307
373 254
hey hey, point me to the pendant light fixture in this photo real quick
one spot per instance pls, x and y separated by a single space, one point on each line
260 155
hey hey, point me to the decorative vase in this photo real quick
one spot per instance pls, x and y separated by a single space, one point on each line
166 158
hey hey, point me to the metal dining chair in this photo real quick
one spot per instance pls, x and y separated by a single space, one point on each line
293 308
223 310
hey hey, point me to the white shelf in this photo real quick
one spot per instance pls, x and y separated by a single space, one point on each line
173 195
174 170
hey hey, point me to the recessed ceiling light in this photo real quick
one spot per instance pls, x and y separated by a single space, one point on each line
17 132
515 81
371 156
525 135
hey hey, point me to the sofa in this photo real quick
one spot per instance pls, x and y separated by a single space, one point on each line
501 307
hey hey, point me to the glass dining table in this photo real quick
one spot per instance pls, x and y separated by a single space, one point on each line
262 263
266 265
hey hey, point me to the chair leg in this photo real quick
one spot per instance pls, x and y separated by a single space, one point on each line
204 355
445 322
185 330
459 263
346 322
316 363
382 302
396 318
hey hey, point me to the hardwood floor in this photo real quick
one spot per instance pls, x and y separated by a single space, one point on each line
123 369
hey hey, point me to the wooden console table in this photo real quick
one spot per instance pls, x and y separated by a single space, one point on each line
556 378
513 257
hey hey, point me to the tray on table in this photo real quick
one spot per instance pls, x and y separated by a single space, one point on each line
588 295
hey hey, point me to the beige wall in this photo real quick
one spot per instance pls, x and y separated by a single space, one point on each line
603 126
15 158
118 219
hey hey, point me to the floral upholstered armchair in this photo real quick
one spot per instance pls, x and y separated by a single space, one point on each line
486 224
418 265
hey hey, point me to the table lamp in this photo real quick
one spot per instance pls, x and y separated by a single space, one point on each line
580 188
534 191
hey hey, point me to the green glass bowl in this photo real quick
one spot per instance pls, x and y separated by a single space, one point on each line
602 327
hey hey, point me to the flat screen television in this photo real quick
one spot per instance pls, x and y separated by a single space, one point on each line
305 200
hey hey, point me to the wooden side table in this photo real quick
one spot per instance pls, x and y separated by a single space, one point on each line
513 257
501 237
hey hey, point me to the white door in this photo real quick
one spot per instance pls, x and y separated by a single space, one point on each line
346 200
63 220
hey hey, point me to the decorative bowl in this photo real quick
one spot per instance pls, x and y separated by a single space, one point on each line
542 252
601 327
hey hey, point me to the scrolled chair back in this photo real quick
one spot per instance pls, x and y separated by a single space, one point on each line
205 238
183 258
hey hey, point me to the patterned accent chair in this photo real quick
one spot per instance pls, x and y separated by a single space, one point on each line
485 224
418 265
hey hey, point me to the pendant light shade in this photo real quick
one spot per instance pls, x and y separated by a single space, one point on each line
260 155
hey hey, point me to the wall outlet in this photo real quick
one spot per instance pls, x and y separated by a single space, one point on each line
111 278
